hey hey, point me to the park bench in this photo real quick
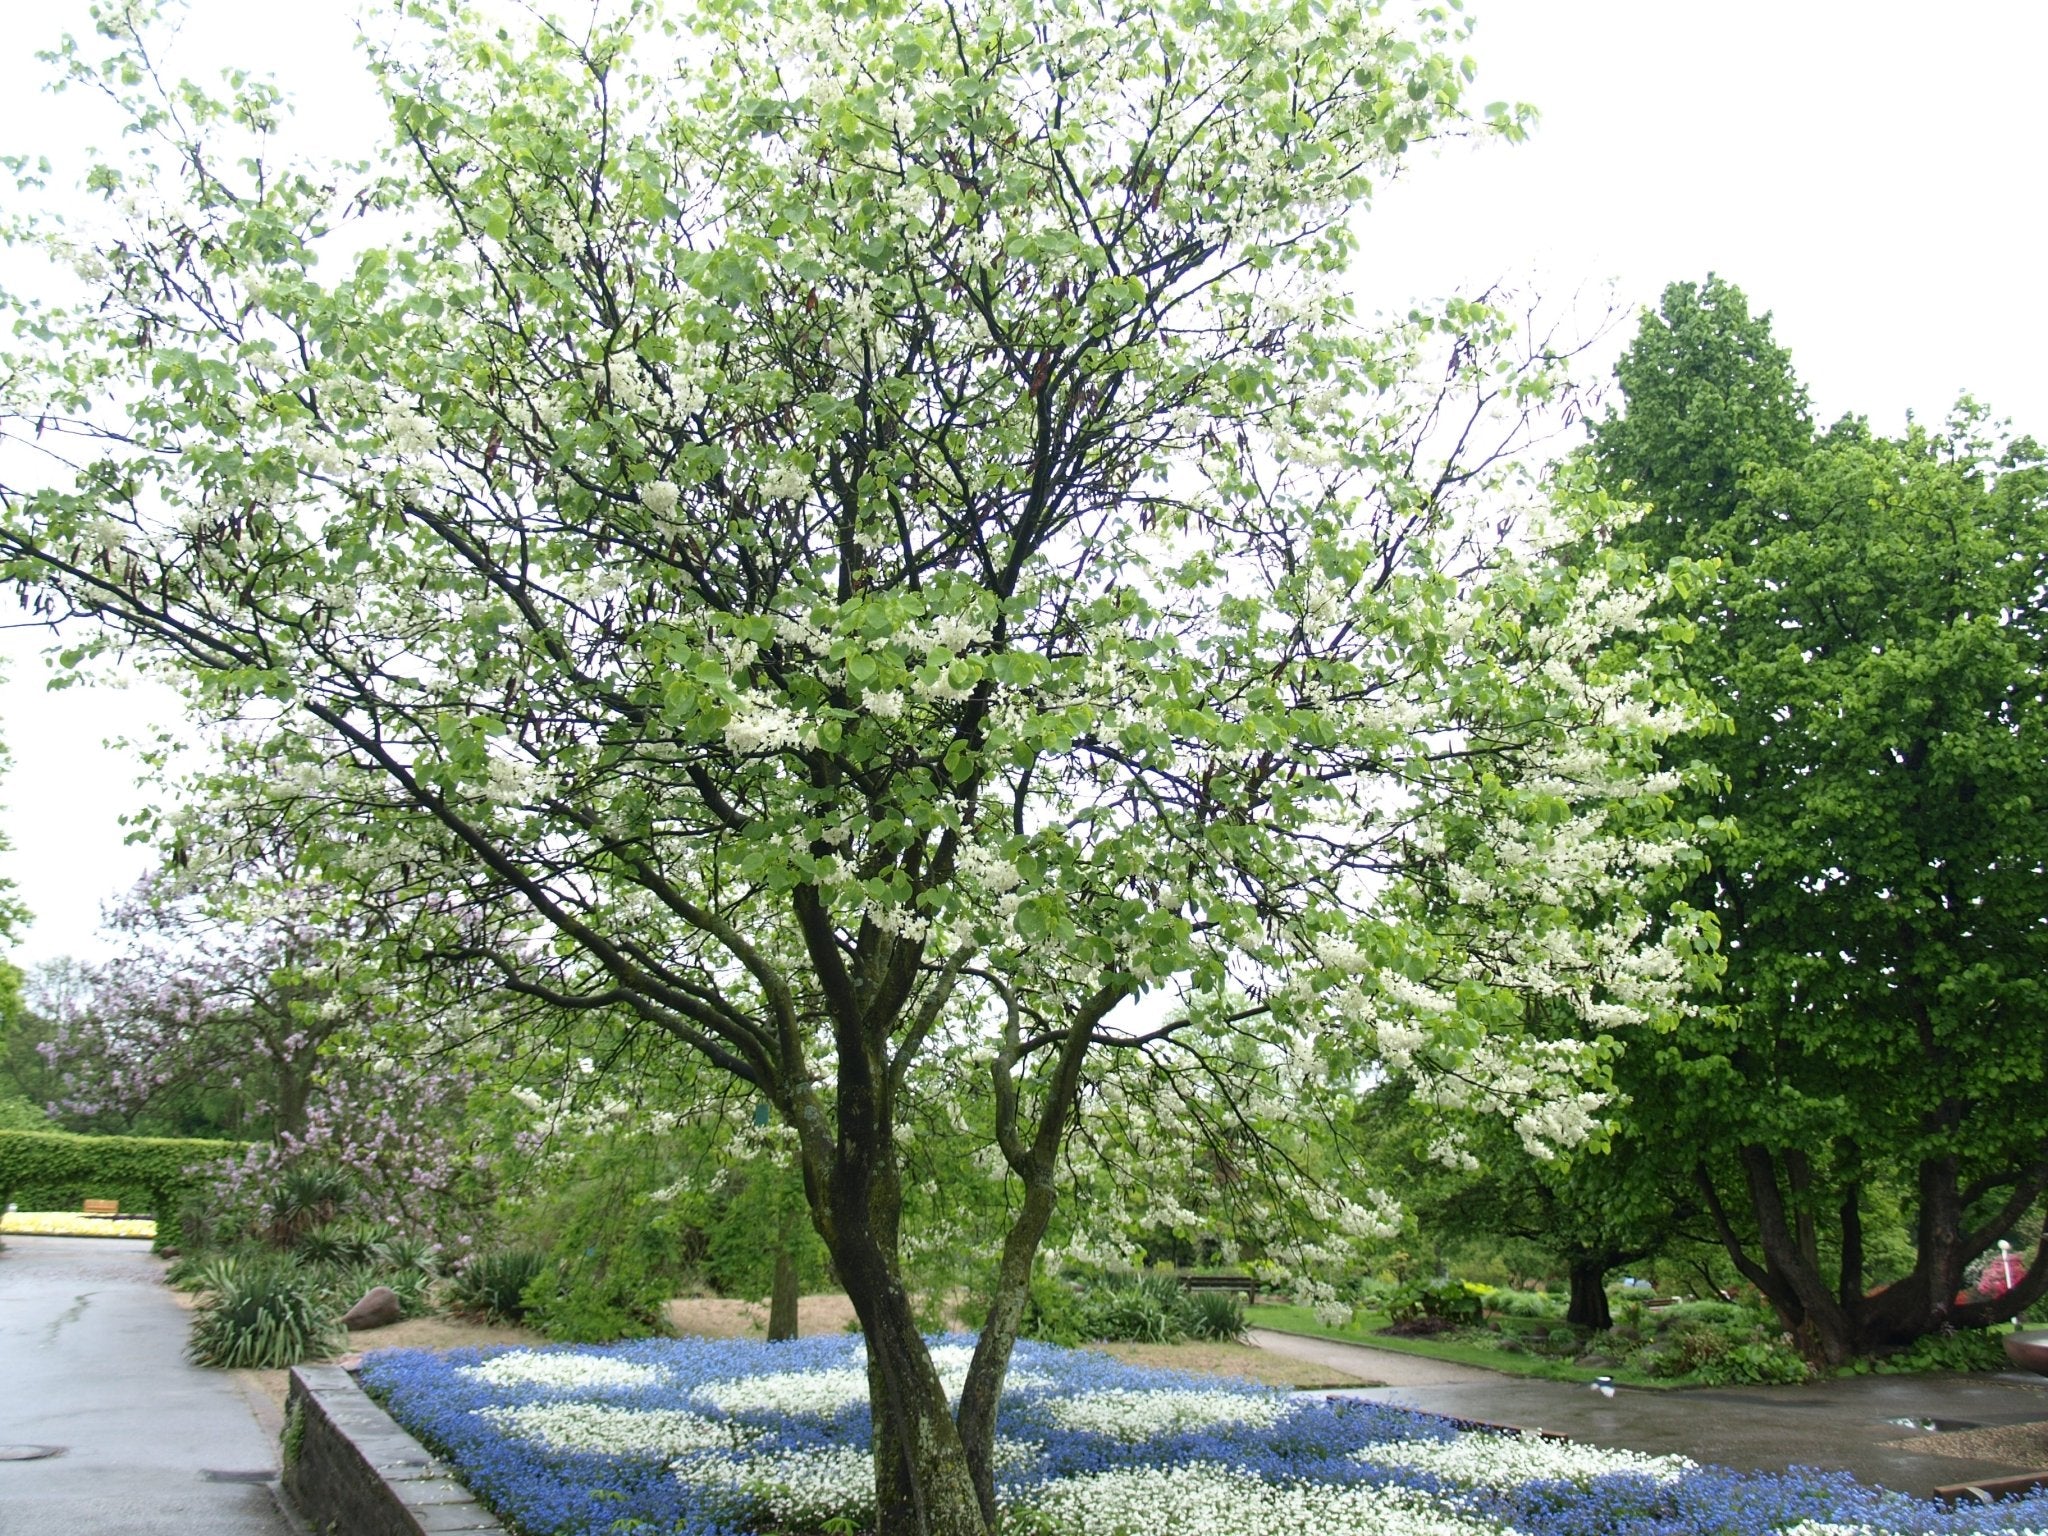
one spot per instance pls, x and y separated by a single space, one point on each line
1989 1490
1244 1283
108 1209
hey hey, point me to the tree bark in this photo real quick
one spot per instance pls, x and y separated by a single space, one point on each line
1589 1307
1824 1325
782 1299
1012 1293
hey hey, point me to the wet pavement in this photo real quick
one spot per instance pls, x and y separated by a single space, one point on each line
1841 1425
92 1364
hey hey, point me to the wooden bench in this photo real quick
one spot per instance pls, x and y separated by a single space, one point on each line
105 1209
1988 1490
1244 1283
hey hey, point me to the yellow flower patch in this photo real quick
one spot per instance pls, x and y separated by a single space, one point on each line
72 1224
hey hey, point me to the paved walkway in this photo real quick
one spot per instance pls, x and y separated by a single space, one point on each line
1842 1425
91 1361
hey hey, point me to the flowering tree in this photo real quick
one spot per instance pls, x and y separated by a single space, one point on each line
249 996
864 537
205 1000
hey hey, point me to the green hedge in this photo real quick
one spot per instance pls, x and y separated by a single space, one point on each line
53 1165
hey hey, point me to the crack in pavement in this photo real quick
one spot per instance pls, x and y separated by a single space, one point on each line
71 1315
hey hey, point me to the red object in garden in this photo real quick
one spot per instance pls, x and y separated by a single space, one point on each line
1999 1276
2028 1351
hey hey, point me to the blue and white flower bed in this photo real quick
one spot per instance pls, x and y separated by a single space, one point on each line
722 1438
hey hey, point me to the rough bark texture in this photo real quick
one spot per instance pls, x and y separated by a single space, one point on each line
782 1299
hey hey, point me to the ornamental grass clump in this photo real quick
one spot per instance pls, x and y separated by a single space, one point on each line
492 1286
702 1437
261 1314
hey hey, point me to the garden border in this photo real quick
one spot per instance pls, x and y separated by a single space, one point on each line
349 1469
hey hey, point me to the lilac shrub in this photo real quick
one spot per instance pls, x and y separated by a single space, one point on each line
727 1438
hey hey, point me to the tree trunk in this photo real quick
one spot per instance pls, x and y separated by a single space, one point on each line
922 1483
1012 1293
1589 1295
782 1299
1825 1327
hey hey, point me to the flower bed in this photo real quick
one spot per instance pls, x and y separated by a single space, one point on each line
723 1438
71 1224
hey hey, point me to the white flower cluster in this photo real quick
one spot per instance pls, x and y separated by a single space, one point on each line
990 871
660 497
1139 1415
612 1431
1491 1460
761 727
898 922
799 1488
1449 1151
561 1371
507 782
825 1392
783 482
407 431
1208 1500
789 1392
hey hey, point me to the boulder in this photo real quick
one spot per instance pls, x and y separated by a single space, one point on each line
2028 1349
379 1308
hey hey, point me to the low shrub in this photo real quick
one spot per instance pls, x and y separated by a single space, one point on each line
261 1314
1052 1313
1215 1315
1720 1313
1432 1306
1758 1360
1540 1304
492 1286
1963 1349
1138 1309
306 1196
406 1253
599 1298
1134 1309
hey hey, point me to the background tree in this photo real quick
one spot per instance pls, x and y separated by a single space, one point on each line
853 534
211 1017
1874 632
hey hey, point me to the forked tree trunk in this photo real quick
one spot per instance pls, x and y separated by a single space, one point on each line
1837 1325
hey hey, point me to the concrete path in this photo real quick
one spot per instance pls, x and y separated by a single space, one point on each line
91 1360
1851 1425
1388 1367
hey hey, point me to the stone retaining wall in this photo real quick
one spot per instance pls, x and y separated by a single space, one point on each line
349 1470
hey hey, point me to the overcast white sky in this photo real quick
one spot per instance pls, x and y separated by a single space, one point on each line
1870 171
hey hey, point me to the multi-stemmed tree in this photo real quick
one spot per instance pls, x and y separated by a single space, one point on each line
869 536
1873 629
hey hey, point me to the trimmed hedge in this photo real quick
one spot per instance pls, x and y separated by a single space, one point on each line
108 1167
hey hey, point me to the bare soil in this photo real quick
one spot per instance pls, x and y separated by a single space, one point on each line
1244 1361
720 1317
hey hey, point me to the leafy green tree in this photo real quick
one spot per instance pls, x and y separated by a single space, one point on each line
1874 632
871 536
